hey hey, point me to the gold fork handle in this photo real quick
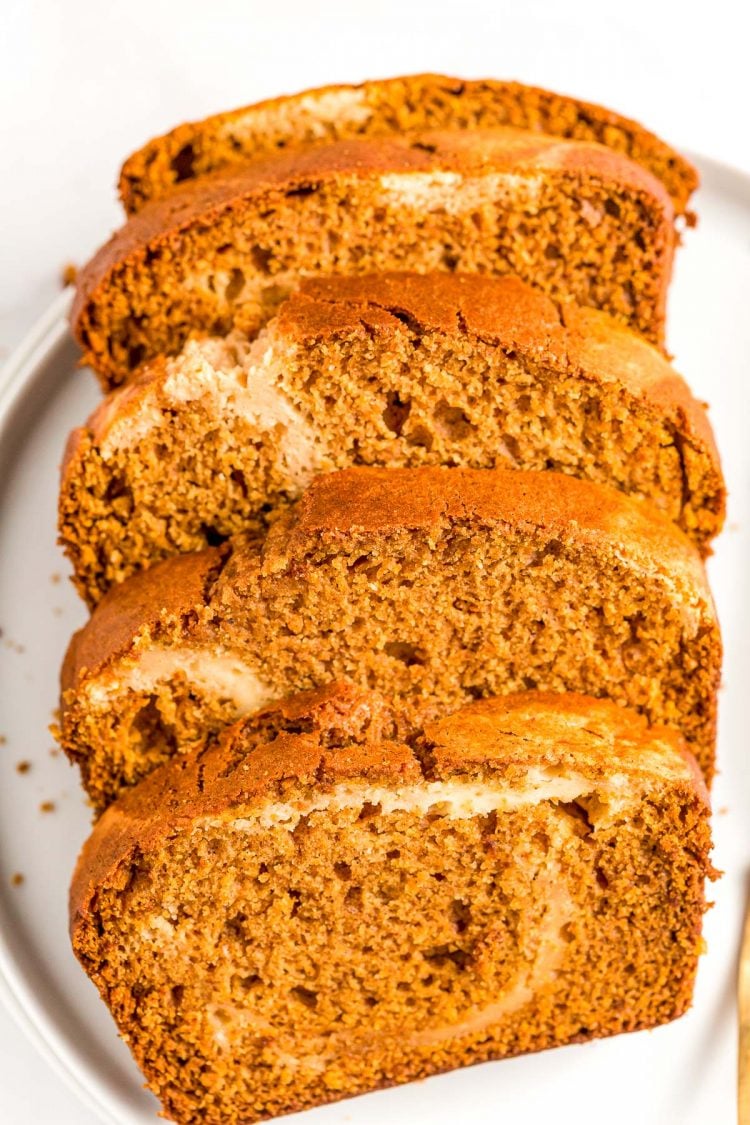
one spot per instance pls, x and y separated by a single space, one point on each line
743 997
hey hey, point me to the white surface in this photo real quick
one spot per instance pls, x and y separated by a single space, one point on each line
82 83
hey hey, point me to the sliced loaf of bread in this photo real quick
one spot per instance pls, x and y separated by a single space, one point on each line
316 907
577 220
433 585
380 108
391 370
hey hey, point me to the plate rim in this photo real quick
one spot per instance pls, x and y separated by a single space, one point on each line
46 333
17 995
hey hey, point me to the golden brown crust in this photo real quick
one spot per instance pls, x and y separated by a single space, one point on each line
504 311
502 737
379 501
413 101
160 227
579 731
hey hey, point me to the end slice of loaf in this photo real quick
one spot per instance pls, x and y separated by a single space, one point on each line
577 220
314 908
433 585
380 108
391 370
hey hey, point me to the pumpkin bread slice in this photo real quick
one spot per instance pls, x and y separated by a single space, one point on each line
315 907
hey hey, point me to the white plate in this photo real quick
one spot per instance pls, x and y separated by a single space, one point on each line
681 1073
